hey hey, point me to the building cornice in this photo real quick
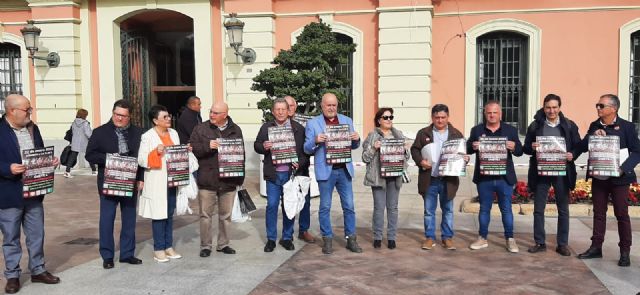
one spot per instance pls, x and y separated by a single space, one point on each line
541 10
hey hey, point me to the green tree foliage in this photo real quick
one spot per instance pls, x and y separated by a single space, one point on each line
306 71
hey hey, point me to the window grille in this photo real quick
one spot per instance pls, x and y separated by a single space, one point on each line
634 80
10 72
346 70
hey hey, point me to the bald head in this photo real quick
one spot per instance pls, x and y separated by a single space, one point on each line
18 110
292 105
329 105
218 113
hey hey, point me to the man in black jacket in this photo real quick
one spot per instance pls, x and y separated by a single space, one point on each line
616 189
549 121
189 119
120 137
277 174
502 185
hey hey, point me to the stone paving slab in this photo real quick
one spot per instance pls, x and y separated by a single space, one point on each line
410 270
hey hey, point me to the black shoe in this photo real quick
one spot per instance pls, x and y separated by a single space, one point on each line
592 252
227 250
563 250
131 260
377 243
287 244
271 244
538 248
205 252
624 259
107 264
391 244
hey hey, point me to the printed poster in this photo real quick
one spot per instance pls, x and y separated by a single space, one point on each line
120 175
284 145
392 157
230 157
493 155
452 161
604 155
338 144
177 157
37 179
302 119
551 155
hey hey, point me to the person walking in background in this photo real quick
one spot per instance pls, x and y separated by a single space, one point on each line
117 136
18 133
304 218
158 202
81 130
550 121
189 118
385 189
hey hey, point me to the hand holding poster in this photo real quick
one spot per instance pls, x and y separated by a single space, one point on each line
120 175
338 144
604 155
551 155
392 157
284 145
452 161
37 179
230 157
177 157
493 155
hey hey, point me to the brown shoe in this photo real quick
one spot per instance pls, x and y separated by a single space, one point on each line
307 237
448 244
428 244
45 277
13 286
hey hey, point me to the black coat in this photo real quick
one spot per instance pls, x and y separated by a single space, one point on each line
569 131
505 130
628 139
268 169
11 185
188 120
104 141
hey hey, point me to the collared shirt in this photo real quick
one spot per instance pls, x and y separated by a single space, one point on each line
329 122
438 140
24 138
612 123
552 124
287 123
223 127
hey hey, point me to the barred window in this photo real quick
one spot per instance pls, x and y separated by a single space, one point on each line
346 70
634 80
10 72
502 76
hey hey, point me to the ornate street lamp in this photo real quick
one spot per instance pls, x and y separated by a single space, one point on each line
31 34
234 28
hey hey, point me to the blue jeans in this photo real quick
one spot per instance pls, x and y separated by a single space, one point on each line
163 228
438 190
504 191
341 180
274 193
304 218
31 218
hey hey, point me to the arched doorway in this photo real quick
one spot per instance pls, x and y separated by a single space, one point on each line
158 64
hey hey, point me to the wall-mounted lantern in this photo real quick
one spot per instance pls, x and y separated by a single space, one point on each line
31 34
234 28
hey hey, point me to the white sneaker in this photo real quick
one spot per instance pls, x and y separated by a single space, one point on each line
94 172
512 246
160 256
172 254
479 244
67 175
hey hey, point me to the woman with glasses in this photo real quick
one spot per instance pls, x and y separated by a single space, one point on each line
385 188
157 201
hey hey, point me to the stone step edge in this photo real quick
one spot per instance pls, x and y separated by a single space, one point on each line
575 210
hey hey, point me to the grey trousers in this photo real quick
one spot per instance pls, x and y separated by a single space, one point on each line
208 201
385 197
31 218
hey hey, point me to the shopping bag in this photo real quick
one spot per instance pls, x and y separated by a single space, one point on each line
189 191
236 212
246 204
293 194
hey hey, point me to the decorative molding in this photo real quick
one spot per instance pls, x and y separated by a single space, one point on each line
624 59
533 72
540 10
405 8
58 21
34 3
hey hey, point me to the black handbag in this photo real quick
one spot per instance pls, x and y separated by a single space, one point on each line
65 157
246 204
68 136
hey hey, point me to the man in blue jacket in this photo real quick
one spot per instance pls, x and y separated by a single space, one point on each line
121 137
502 185
330 176
18 133
616 189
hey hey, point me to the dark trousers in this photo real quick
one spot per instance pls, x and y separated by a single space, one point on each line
73 158
108 206
561 189
603 191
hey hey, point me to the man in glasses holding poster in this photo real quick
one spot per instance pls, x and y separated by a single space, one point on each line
614 188
551 140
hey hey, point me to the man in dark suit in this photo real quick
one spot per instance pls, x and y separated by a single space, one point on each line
189 118
120 137
616 189
18 133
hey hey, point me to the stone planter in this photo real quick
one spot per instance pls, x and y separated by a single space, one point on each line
575 210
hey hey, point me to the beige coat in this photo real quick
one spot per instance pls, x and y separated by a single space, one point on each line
153 200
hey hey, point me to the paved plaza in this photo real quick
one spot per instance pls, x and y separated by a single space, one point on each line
71 252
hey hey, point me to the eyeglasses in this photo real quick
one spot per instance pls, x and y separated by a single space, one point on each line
120 115
167 117
389 118
28 110
601 106
216 113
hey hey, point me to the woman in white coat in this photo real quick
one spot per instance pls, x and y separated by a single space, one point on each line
157 201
